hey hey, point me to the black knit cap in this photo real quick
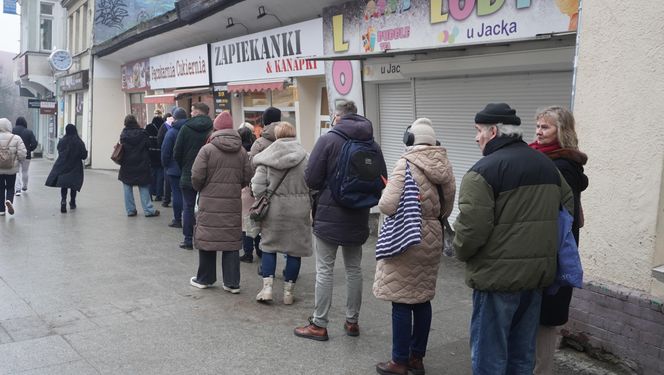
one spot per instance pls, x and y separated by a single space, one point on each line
271 115
497 113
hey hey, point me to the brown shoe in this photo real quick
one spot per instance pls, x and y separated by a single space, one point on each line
416 366
391 368
312 331
352 329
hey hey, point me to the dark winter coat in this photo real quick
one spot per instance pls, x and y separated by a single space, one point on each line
507 227
67 172
191 138
332 222
28 138
171 166
219 173
162 133
135 164
555 308
265 140
154 149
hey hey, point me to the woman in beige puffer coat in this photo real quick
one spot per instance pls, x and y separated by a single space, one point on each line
12 150
408 280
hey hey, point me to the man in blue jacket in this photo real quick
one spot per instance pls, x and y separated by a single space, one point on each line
171 166
335 225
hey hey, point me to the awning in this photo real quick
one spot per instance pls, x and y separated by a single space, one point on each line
262 85
192 90
159 99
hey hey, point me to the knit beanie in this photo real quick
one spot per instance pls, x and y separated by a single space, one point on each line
247 125
499 113
223 121
179 113
423 131
271 115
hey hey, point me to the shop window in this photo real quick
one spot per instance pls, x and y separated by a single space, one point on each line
256 99
138 107
254 103
284 98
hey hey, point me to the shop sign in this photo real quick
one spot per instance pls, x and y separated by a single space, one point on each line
34 103
382 72
47 108
222 100
364 27
76 81
184 68
136 76
276 53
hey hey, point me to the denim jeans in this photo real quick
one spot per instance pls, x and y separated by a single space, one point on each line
188 218
230 267
7 183
410 330
176 195
503 329
146 200
249 243
291 272
157 185
326 254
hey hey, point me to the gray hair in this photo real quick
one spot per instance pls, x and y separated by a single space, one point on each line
502 130
345 108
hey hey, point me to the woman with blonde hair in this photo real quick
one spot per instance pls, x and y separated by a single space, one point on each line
287 227
556 137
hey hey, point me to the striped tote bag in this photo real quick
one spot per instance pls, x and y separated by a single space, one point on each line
404 228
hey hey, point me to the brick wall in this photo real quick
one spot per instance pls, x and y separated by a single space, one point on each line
615 323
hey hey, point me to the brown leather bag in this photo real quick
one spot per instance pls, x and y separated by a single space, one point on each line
118 151
258 210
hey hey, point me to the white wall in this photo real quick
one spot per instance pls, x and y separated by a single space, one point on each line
108 111
618 107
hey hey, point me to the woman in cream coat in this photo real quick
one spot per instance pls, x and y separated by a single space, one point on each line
408 280
17 152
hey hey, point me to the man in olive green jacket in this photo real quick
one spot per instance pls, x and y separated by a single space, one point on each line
507 233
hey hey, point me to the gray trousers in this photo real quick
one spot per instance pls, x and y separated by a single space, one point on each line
22 175
326 254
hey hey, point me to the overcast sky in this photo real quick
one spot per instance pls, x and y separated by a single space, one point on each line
10 31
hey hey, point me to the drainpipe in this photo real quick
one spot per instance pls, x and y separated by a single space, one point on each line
576 54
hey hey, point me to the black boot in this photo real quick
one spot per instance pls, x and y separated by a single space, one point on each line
72 204
63 207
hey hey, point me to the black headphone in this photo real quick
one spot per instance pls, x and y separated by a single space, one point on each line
408 137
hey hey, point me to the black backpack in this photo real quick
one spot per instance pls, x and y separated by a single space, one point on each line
358 182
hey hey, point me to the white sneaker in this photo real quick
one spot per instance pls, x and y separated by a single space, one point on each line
10 207
198 285
17 193
231 290
2 213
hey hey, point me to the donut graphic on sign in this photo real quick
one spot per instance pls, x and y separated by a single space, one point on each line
342 77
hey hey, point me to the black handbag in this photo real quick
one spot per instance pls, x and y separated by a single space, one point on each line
259 209
448 232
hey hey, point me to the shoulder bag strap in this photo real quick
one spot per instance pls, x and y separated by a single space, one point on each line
9 142
269 192
441 198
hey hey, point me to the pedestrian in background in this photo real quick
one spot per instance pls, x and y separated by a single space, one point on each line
191 137
250 231
507 234
67 171
287 227
30 142
12 152
135 167
220 171
154 149
408 280
172 168
168 123
555 136
336 225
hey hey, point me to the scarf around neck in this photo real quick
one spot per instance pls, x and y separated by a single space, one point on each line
545 148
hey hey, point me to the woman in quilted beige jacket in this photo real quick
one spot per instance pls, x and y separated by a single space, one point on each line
408 280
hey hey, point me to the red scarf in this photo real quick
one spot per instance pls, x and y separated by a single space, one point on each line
545 148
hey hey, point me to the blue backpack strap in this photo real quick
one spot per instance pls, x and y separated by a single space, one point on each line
340 133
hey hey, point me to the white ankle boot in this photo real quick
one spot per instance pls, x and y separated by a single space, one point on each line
288 292
266 293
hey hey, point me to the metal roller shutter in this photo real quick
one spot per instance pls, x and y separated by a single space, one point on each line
396 113
451 104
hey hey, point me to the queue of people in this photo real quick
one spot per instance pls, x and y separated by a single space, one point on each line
232 191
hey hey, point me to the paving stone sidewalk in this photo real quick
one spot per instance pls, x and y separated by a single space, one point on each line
96 292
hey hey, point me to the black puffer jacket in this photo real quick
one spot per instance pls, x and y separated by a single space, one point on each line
332 222
67 172
154 149
135 165
555 308
28 138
